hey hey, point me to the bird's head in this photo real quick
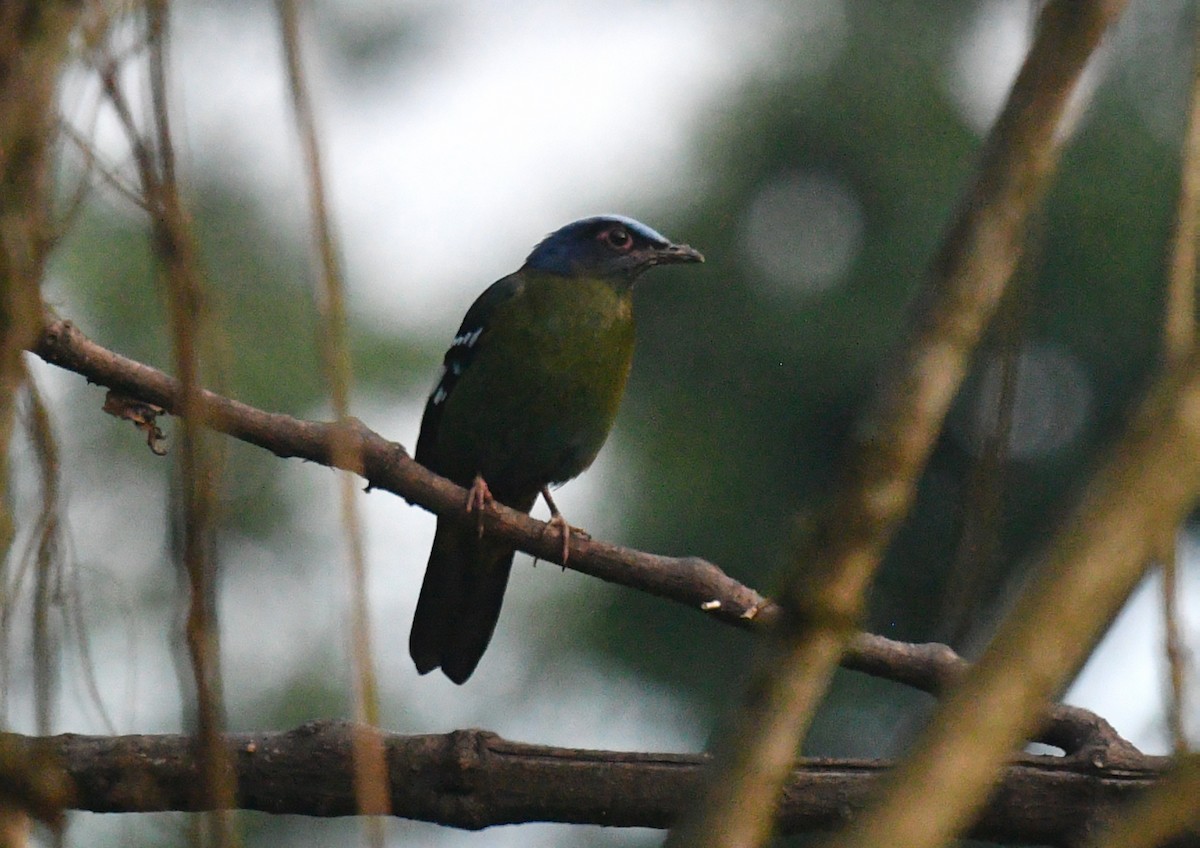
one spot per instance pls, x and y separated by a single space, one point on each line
611 247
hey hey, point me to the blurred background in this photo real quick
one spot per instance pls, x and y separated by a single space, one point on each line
813 149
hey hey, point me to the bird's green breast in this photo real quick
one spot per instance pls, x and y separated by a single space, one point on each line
538 399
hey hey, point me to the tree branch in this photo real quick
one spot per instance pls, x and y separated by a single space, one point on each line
823 596
691 581
385 465
475 779
1146 486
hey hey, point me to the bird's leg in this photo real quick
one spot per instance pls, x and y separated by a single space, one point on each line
479 496
557 520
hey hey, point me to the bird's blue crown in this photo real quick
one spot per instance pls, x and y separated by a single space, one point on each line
582 246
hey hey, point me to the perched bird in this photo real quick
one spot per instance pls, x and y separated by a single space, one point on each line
528 392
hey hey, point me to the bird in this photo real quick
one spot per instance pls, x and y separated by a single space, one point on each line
527 394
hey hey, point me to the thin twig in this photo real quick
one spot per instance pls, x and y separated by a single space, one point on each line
48 589
1179 331
108 174
34 43
974 563
175 252
370 770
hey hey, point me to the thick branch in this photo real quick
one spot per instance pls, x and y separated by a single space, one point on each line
830 574
474 779
1145 488
691 581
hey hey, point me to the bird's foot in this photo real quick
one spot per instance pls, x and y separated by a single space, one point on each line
564 529
564 532
479 498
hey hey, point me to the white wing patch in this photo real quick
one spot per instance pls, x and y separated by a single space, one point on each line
466 340
455 362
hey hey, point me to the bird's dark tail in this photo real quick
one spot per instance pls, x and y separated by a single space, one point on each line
460 601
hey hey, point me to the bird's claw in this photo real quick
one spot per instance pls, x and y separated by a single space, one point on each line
564 531
479 497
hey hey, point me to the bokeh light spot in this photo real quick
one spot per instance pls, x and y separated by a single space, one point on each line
1052 402
803 231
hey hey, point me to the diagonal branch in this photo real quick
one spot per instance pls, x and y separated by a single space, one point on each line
691 581
823 594
474 779
1145 488
386 465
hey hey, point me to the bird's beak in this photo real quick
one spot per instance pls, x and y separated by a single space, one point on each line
676 254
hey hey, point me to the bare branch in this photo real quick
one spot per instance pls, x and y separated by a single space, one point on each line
331 307
691 581
34 44
474 779
1096 559
1162 814
179 275
386 465
823 596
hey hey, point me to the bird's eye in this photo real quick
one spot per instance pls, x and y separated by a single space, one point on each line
618 238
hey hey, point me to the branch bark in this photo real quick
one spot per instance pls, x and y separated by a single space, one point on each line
35 40
385 465
1145 488
691 581
474 779
822 599
335 356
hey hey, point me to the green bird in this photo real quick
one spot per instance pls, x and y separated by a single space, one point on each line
528 392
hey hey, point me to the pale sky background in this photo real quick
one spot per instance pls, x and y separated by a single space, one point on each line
434 175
